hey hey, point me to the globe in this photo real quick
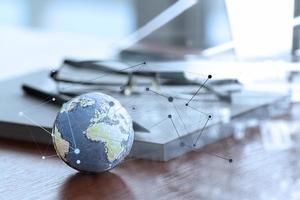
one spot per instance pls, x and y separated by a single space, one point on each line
93 133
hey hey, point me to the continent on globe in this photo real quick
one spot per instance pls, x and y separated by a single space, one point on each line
83 101
100 132
93 133
61 145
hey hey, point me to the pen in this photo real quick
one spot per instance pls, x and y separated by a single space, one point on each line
61 99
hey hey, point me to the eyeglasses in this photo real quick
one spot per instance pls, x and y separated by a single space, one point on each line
113 76
120 79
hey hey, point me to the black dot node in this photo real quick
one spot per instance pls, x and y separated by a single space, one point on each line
209 76
170 116
186 104
133 108
147 89
194 145
170 99
209 116
111 103
230 160
144 63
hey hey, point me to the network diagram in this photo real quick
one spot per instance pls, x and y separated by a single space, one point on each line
93 132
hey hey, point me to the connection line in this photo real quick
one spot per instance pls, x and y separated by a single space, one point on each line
137 65
36 144
156 124
169 98
197 110
201 132
180 118
209 77
179 137
23 114
71 130
104 75
50 156
148 89
45 101
230 160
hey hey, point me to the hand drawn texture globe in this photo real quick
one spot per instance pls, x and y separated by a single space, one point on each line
93 133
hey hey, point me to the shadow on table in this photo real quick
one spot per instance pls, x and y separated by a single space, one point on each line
100 186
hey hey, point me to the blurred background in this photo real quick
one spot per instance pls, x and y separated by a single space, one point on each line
104 18
117 18
263 26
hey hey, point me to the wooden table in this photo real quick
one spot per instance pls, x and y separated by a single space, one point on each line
254 174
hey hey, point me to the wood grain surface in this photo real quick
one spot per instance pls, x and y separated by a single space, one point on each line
255 173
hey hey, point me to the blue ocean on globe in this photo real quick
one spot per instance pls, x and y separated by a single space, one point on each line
93 133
